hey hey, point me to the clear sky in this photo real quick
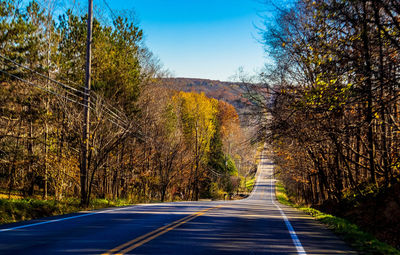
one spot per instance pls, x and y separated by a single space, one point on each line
201 38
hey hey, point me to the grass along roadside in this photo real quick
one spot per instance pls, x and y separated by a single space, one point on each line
359 240
19 209
250 184
14 210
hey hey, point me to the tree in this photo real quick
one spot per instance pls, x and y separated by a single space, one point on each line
197 114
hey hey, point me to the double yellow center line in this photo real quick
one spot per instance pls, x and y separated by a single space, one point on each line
133 244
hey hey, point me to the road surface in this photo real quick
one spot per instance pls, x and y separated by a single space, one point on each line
256 225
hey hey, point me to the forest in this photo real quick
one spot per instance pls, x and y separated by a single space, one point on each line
332 106
147 142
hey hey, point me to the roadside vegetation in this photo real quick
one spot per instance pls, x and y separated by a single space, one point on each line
250 184
356 238
14 210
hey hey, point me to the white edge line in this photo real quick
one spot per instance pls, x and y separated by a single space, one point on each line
293 235
61 219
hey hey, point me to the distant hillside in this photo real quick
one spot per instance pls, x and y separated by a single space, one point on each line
229 92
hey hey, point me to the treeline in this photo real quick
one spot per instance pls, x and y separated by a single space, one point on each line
146 142
334 103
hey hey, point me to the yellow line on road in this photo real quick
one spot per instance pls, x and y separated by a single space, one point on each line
155 233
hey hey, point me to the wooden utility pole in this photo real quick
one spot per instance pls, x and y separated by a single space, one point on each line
86 115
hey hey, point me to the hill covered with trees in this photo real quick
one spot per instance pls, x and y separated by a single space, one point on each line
233 93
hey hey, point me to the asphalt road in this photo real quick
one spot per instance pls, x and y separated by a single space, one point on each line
256 225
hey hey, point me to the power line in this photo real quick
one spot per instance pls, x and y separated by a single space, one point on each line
214 172
66 91
40 87
112 12
96 96
67 98
110 111
47 77
43 76
64 85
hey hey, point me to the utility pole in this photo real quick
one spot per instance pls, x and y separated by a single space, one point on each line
86 115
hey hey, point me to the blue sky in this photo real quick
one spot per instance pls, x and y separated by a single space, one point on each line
201 38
